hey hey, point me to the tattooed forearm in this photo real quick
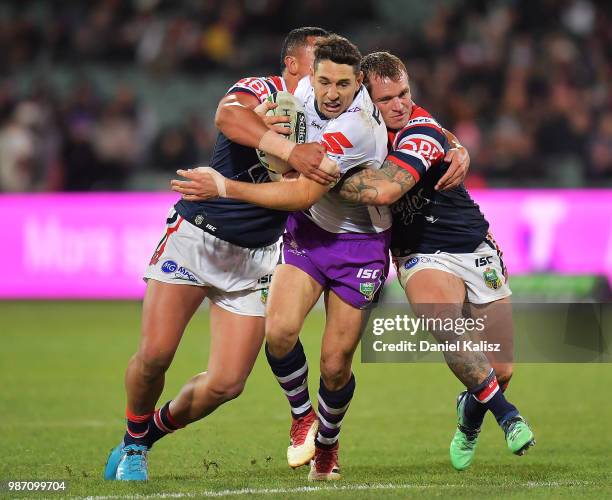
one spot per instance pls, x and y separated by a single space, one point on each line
360 188
377 187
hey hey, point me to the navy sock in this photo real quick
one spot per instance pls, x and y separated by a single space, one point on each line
474 412
487 396
333 405
291 371
161 424
137 428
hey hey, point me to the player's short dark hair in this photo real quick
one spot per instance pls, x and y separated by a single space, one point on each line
339 50
297 38
382 65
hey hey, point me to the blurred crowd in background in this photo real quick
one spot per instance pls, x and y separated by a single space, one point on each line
116 94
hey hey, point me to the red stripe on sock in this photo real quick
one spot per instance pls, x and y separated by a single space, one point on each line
487 393
138 419
173 422
160 424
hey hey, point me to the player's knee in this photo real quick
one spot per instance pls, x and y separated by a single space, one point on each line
225 390
280 335
335 371
152 364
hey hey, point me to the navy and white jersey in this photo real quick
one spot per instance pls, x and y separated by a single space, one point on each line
426 220
355 139
234 221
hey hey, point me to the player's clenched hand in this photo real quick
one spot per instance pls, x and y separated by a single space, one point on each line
459 159
203 183
274 123
307 158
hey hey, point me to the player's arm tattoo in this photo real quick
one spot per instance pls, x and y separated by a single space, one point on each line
377 187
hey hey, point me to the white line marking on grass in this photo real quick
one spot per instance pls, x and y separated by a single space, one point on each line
316 489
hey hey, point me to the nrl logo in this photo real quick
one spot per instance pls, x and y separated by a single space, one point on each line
491 278
367 289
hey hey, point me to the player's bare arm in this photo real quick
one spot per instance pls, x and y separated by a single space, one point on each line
377 187
290 196
205 183
459 159
237 119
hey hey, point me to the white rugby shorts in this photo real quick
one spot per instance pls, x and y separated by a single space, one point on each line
238 278
482 271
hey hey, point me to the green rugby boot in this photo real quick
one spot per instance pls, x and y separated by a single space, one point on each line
519 435
464 441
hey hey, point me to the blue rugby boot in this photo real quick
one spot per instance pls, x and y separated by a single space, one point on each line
112 462
133 464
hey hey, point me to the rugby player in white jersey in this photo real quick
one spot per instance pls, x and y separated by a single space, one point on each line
443 253
334 247
219 249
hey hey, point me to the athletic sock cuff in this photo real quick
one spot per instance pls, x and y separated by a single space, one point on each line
339 398
137 418
170 419
281 367
484 391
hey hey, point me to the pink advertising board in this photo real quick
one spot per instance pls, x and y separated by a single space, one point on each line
79 245
98 245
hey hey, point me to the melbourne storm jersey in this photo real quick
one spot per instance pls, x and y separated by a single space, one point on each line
426 220
238 222
356 138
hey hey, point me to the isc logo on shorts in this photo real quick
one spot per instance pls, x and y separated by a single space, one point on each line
265 280
368 273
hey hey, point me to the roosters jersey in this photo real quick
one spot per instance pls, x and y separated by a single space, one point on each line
238 222
426 220
356 138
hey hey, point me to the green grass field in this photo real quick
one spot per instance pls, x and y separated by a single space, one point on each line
62 401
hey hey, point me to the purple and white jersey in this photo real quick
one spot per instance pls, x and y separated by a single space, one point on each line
356 138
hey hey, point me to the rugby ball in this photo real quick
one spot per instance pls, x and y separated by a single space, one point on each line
288 105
